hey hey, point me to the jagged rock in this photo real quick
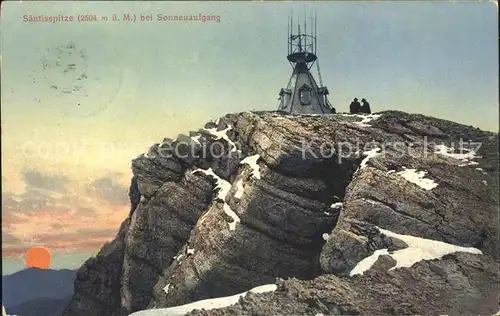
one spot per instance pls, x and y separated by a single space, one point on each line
159 227
458 284
346 247
233 225
276 243
97 283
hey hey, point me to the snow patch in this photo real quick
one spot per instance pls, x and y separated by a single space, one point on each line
325 236
418 249
142 198
239 189
4 312
178 257
233 215
390 171
369 154
367 263
366 119
482 170
470 163
252 162
418 178
485 182
196 139
224 187
465 158
207 304
222 134
336 205
190 251
165 289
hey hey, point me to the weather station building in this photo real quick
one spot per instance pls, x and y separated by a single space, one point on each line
302 95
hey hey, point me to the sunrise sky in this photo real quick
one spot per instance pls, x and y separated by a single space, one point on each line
80 100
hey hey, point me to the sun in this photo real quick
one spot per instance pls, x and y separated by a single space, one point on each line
38 257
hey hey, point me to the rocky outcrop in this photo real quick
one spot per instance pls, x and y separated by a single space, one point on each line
97 283
256 196
458 284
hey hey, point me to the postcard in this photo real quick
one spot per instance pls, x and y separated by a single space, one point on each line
249 158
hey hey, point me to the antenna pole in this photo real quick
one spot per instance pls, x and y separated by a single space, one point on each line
305 29
288 34
291 31
300 38
315 30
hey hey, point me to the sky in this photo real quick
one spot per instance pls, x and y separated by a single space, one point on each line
80 100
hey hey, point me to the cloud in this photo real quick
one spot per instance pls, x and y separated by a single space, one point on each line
107 189
57 212
34 179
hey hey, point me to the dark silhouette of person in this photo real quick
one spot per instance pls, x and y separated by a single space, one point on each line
355 107
332 109
365 108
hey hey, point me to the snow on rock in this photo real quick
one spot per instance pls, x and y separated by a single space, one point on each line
418 178
252 162
178 257
239 189
165 289
470 163
224 187
482 170
465 158
418 249
196 139
423 249
222 134
369 154
325 236
336 205
367 263
190 251
207 304
142 198
233 215
366 119
4 312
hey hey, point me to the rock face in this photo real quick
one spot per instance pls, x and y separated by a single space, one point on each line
459 284
259 196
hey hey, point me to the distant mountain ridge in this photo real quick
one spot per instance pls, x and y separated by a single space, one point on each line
35 291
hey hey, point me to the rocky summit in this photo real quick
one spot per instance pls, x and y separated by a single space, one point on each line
388 213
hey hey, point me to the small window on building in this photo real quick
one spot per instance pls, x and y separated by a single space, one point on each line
305 95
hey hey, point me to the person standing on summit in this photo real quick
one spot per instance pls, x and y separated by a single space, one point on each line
365 108
355 107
